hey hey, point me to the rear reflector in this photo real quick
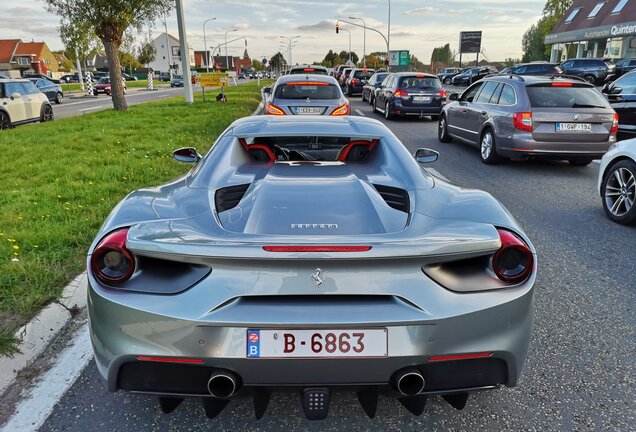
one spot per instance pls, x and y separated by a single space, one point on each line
459 357
323 248
561 84
171 359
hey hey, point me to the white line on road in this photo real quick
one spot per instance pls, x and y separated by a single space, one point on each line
360 113
35 408
66 104
93 108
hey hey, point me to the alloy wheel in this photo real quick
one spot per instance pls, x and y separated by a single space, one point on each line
387 114
47 115
620 191
59 98
486 146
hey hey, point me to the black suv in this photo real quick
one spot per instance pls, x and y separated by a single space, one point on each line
621 95
536 69
410 93
446 76
593 70
624 66
357 80
472 75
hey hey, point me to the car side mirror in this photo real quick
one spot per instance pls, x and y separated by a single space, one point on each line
267 90
187 155
453 96
614 90
15 95
605 88
424 155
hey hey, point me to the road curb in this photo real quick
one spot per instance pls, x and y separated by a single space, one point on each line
37 335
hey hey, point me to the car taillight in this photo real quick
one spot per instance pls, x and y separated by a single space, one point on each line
111 262
354 81
441 93
401 93
513 261
341 110
614 128
274 110
522 121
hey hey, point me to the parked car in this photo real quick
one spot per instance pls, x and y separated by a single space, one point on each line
72 78
306 95
241 75
164 76
472 75
50 89
127 77
103 86
536 69
617 182
623 66
446 76
621 95
531 116
37 75
357 79
325 259
409 93
375 82
593 70
338 70
177 81
22 102
344 76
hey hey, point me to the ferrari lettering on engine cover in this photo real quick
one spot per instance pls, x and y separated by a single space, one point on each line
314 226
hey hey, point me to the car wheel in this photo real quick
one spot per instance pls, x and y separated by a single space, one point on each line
59 98
375 105
5 123
448 81
580 162
46 114
442 130
590 78
618 192
387 111
487 148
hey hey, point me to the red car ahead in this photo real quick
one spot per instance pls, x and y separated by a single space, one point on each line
103 86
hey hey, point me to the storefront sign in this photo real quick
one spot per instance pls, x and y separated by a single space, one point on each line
603 32
469 42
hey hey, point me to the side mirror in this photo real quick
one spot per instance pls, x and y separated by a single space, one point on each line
605 88
267 90
425 155
614 90
453 96
15 95
187 155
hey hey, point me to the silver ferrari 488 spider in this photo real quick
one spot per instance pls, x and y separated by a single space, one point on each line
310 254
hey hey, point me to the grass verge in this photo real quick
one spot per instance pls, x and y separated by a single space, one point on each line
61 179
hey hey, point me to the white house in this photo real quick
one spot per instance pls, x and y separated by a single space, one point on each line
167 53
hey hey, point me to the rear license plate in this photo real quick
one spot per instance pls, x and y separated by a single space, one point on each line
574 127
316 343
309 110
421 99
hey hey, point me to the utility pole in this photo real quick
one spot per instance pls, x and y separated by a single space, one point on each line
227 63
165 25
388 37
185 54
205 46
364 46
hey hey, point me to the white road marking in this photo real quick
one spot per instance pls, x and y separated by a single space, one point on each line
38 403
93 108
360 113
437 174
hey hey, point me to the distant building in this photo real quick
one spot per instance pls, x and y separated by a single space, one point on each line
29 57
595 29
168 54
219 62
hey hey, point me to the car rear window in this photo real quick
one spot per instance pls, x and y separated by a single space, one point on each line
308 70
362 74
304 90
416 82
550 96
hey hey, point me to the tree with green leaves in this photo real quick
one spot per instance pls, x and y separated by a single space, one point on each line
109 20
277 61
532 44
146 54
81 42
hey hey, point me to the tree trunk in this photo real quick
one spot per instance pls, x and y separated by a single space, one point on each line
116 84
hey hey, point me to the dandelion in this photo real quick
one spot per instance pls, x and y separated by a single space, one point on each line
16 247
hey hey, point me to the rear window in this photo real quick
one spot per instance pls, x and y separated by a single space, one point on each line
361 74
302 90
308 70
548 96
415 82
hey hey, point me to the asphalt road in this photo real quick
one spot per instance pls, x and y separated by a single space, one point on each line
580 369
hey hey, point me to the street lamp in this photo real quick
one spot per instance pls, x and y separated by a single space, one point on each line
349 42
290 39
364 47
227 63
388 34
205 46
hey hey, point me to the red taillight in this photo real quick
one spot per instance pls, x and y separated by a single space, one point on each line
317 248
513 261
309 70
420 76
522 121
274 110
561 84
341 110
171 359
614 128
459 357
354 81
441 93
111 262
401 93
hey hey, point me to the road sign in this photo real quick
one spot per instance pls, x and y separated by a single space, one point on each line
399 58
213 80
470 42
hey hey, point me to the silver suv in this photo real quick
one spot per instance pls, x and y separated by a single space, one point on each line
531 116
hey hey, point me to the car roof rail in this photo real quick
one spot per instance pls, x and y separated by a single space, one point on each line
519 77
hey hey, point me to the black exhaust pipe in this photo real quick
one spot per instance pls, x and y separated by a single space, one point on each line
409 382
223 384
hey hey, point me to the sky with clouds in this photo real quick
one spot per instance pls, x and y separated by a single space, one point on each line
418 26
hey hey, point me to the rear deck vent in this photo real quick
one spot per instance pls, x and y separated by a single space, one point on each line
394 197
228 197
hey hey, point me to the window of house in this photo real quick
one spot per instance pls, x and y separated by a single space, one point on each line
596 10
619 7
572 15
23 61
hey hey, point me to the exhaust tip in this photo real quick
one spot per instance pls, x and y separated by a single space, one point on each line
409 382
222 385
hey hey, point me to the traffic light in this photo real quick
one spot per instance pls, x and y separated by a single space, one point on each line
386 61
337 28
